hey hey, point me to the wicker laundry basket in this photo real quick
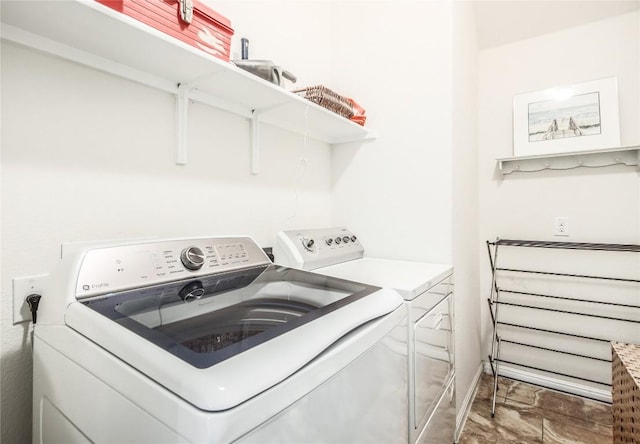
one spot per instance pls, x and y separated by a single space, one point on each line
626 393
328 99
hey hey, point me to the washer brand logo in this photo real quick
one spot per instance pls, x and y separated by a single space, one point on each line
96 286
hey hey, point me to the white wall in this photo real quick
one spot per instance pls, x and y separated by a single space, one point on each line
89 156
395 192
290 33
603 205
401 193
465 201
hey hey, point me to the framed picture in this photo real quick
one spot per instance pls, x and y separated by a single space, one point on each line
578 117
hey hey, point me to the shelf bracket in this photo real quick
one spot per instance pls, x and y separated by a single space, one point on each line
255 147
182 124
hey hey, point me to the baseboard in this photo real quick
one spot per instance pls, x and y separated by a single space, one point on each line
463 412
551 383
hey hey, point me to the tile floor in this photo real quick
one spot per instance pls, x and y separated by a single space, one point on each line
530 414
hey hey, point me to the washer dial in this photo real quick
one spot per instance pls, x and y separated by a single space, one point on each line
192 258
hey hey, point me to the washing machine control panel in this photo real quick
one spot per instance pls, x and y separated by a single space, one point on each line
315 248
115 268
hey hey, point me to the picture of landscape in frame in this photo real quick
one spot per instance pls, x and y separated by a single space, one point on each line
576 116
567 118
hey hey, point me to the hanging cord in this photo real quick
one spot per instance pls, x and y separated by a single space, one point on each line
302 171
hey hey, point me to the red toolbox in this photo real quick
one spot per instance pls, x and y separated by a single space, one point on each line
187 20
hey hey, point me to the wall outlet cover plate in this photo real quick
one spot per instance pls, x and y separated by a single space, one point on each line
23 287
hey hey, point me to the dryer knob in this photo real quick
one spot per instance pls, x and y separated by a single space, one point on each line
308 244
192 258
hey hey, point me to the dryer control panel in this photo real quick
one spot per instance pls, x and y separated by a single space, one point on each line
316 248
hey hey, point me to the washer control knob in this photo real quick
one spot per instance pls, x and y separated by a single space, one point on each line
308 243
329 241
338 240
346 239
354 238
192 258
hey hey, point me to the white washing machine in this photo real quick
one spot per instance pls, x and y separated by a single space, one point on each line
205 341
427 290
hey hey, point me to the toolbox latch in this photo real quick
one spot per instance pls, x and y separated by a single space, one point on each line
186 10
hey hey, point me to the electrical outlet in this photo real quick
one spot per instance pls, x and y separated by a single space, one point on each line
23 287
561 226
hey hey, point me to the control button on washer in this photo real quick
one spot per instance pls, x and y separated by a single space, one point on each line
192 258
338 240
329 241
354 238
346 239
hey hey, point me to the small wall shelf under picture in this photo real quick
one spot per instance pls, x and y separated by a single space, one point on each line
629 156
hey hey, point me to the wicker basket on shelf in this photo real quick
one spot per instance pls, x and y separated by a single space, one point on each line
625 389
328 99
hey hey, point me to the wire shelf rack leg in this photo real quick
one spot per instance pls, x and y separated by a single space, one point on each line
495 385
493 261
493 309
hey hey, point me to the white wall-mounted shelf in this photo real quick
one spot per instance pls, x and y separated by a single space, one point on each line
629 156
92 34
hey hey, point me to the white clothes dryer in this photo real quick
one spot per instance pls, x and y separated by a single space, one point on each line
205 340
427 290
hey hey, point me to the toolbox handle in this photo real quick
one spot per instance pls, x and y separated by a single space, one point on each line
287 75
186 10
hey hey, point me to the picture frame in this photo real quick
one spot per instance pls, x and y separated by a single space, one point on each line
565 119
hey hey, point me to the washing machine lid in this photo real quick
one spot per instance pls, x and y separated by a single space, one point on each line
232 313
249 329
408 278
